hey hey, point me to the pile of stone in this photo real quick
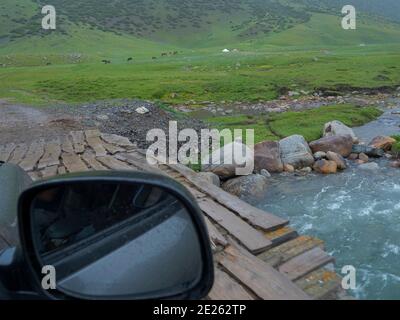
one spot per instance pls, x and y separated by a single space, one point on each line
327 155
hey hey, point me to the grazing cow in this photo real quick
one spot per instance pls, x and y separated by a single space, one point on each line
106 61
130 59
48 64
175 53
164 54
154 58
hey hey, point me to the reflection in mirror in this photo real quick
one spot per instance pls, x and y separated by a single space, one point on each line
109 240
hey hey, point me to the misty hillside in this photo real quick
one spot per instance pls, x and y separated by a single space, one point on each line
193 23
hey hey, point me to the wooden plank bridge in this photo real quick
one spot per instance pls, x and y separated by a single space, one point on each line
257 255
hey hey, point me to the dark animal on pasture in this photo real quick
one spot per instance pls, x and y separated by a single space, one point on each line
48 64
164 54
130 59
154 58
175 53
106 61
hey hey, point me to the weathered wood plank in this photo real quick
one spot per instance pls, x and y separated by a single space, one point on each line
255 216
288 250
320 284
78 141
93 140
139 163
112 163
49 171
66 145
266 282
62 170
251 238
305 263
73 162
6 151
117 140
32 157
111 148
18 153
214 234
91 161
52 153
226 288
281 235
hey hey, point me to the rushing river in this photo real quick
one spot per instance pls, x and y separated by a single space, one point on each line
356 213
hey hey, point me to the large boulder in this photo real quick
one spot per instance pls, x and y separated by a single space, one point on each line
325 166
338 144
341 163
338 128
210 177
369 151
296 152
267 156
382 142
222 162
245 187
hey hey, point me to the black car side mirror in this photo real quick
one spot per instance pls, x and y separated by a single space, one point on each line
115 235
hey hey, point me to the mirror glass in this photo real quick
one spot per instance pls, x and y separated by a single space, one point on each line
112 240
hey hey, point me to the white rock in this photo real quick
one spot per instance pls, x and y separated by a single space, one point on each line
142 110
337 128
265 173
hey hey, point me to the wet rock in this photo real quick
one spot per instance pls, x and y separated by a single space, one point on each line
306 170
267 156
363 157
102 117
252 186
288 168
338 128
265 173
319 155
338 144
395 164
296 152
228 167
369 151
382 142
353 156
371 166
210 177
325 166
340 162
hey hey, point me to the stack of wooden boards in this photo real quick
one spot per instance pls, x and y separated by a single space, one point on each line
257 255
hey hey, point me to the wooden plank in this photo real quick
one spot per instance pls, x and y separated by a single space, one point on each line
73 162
214 234
34 175
111 148
78 141
288 250
226 288
117 140
266 282
5 152
251 238
255 216
281 235
49 171
18 153
139 163
93 140
305 263
112 163
52 153
32 157
320 284
91 161
62 170
66 145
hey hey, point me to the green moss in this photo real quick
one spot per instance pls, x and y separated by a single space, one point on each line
307 123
